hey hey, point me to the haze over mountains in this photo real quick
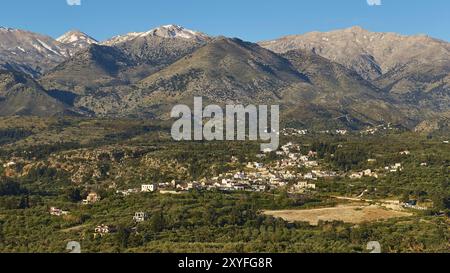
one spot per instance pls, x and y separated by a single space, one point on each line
345 78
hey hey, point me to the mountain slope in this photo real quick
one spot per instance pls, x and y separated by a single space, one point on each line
368 53
414 70
340 94
426 86
21 95
123 60
156 49
310 89
226 70
29 52
223 70
347 78
89 69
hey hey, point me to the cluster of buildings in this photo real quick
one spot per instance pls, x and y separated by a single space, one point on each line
254 177
397 167
303 132
365 173
302 187
376 129
294 132
259 177
144 188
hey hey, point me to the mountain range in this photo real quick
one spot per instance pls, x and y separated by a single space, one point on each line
345 78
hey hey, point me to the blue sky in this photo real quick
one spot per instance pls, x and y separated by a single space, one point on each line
252 20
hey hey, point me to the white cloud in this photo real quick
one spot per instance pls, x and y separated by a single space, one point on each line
74 2
374 2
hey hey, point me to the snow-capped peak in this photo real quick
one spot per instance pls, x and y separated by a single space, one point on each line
167 31
6 29
174 31
76 38
22 46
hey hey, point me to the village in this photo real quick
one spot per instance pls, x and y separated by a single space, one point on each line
287 169
260 177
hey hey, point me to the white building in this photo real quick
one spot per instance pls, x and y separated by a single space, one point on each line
140 217
149 188
303 185
58 212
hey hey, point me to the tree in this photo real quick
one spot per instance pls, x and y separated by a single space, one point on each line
405 197
441 201
157 222
210 216
9 187
74 195
122 236
24 202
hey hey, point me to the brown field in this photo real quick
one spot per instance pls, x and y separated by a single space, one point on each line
346 213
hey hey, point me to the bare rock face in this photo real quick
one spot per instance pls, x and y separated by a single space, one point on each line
368 53
29 52
414 70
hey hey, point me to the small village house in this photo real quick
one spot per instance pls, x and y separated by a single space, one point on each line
149 188
140 217
103 230
92 198
58 212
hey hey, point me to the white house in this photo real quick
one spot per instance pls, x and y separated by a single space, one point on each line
149 188
310 176
140 217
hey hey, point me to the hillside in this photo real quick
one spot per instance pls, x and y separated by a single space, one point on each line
21 95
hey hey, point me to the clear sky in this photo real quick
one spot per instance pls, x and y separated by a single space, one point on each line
251 20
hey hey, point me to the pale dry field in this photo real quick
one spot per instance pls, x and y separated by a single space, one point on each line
346 213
